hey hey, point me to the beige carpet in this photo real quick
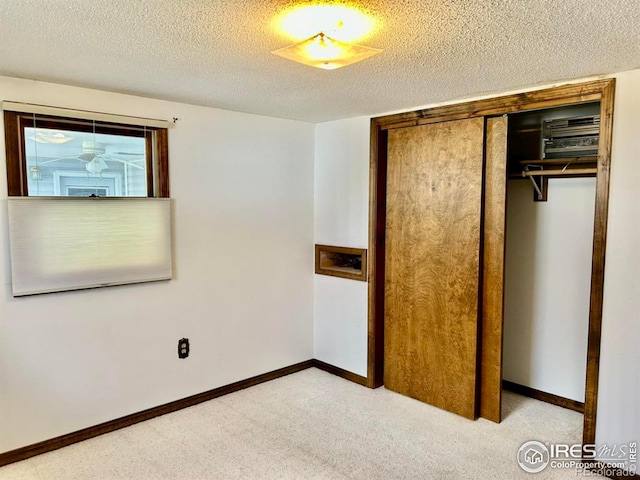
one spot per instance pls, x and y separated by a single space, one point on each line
312 425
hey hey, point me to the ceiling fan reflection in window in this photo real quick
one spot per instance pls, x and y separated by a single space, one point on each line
95 158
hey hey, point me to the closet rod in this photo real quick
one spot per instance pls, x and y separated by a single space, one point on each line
573 171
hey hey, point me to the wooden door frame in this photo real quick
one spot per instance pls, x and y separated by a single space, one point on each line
599 90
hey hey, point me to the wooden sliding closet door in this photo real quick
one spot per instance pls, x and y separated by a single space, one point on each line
493 256
432 256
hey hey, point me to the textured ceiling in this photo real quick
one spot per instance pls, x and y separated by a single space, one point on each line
217 52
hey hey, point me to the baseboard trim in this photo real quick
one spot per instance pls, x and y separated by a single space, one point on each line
339 372
110 426
543 396
45 446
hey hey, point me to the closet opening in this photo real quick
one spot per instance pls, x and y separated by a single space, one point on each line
512 148
552 159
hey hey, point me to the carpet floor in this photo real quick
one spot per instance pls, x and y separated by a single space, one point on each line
312 425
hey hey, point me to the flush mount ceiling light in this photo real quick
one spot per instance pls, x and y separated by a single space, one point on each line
325 52
326 32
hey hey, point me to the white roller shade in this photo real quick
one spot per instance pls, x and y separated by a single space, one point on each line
83 114
62 244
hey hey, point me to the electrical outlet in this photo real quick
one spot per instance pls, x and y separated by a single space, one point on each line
183 348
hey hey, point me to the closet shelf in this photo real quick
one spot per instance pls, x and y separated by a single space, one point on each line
557 167
560 173
560 161
556 172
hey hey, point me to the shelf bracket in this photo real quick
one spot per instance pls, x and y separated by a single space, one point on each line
540 189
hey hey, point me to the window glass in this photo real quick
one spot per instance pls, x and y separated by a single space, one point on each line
83 164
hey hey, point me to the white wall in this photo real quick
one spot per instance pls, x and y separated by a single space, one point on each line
243 290
548 286
619 388
619 394
243 189
341 218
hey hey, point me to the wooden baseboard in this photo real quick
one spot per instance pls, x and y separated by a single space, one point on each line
543 396
340 372
90 432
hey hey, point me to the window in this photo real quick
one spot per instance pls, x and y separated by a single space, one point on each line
51 152
69 226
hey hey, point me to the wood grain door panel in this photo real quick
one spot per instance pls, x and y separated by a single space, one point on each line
434 198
